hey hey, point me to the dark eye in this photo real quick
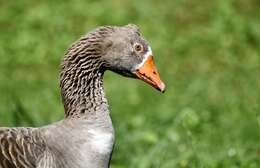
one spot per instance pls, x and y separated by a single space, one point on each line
138 47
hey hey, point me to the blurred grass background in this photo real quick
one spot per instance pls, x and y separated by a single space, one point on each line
207 52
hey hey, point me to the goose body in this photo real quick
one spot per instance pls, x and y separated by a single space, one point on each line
85 137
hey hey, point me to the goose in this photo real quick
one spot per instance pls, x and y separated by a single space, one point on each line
85 137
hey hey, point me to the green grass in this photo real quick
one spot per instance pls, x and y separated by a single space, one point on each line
207 52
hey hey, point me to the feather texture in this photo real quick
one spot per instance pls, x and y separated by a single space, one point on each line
20 147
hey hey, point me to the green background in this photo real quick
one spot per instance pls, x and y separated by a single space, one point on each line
207 52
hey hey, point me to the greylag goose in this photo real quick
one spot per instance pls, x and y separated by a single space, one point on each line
85 137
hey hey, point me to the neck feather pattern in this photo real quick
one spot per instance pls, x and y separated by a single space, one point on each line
82 77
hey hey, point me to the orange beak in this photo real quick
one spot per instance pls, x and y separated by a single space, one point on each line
149 74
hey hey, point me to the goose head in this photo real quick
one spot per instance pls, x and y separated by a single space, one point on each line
126 52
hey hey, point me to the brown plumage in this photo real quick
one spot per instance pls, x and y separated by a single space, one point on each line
20 147
85 137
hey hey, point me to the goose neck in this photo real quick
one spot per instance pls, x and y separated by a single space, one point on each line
83 92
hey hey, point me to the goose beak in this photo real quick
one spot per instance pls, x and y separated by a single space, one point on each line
147 72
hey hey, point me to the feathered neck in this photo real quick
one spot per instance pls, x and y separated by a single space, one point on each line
81 77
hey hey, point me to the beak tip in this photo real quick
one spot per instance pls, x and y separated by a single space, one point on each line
162 87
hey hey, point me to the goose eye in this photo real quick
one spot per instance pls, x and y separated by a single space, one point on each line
138 47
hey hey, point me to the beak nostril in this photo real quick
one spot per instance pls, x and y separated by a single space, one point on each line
154 73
